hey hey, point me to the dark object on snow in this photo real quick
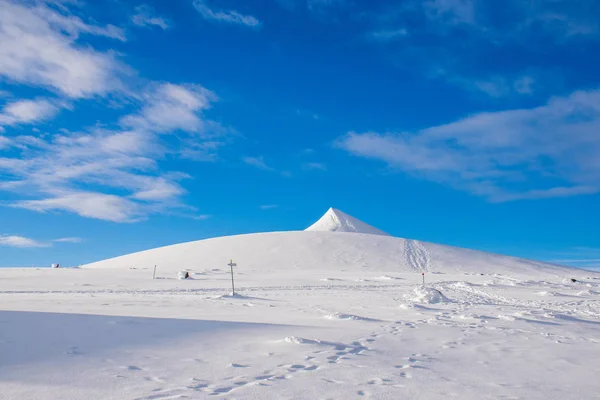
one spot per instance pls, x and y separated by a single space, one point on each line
573 280
183 275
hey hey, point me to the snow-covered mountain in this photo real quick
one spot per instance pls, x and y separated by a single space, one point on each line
337 242
336 221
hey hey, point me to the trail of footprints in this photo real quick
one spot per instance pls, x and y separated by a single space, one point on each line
323 354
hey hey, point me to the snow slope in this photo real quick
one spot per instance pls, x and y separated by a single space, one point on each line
336 221
335 242
325 251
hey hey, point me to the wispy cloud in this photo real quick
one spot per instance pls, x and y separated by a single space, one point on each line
388 35
168 107
68 240
315 6
87 204
39 48
229 16
453 12
548 151
145 15
258 162
27 111
20 241
25 242
200 217
307 114
269 206
314 166
558 19
454 40
4 141
112 174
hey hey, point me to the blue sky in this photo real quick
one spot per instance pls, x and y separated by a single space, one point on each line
138 124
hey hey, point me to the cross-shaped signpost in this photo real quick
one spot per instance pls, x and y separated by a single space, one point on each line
231 265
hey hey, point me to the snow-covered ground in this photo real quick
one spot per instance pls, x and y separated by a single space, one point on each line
318 315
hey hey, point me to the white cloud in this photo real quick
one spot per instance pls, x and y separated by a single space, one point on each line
231 17
112 173
80 172
27 111
25 242
4 141
73 25
451 11
388 35
315 6
55 168
68 240
308 114
200 149
145 15
499 86
548 151
170 107
464 42
564 19
258 162
159 189
201 217
314 166
558 19
269 206
20 241
87 204
39 47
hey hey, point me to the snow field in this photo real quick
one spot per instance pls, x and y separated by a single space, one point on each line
108 334
336 312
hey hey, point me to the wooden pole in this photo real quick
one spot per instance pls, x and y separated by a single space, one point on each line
154 274
423 273
231 265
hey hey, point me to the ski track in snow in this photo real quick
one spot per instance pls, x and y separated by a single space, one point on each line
417 256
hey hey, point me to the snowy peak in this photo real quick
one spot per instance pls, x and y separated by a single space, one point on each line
336 221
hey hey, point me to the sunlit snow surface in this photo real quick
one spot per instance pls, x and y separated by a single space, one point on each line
317 315
335 220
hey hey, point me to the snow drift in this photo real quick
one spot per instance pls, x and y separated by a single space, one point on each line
428 295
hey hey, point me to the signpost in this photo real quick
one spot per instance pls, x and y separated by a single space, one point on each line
231 265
